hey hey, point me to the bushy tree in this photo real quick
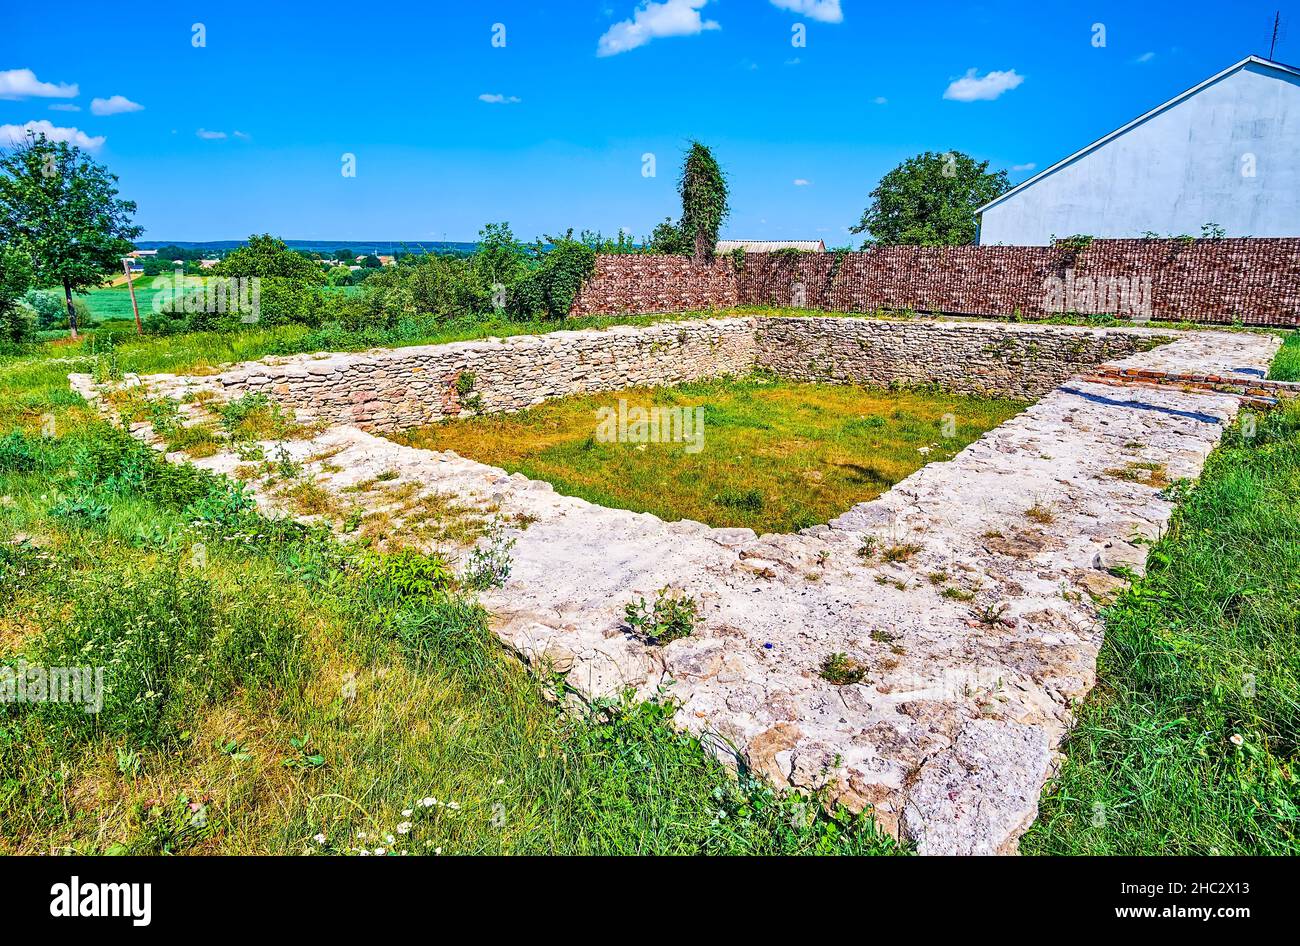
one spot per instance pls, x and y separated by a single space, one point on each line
703 189
16 317
267 256
442 286
289 281
930 200
668 240
499 258
61 208
549 290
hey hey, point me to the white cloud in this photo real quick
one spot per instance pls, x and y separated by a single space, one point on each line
243 135
1029 166
975 88
64 107
1145 57
827 11
801 182
114 105
496 98
23 84
880 100
210 135
73 136
653 21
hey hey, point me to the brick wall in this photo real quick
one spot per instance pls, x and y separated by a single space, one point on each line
1254 280
637 283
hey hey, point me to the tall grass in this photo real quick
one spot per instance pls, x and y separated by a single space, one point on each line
267 693
1189 743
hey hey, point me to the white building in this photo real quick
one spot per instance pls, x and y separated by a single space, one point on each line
1226 152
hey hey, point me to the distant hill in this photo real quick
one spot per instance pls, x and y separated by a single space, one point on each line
377 247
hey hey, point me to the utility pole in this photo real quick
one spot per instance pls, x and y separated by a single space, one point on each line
126 264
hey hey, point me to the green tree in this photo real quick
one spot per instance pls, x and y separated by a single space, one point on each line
339 276
61 208
703 189
16 317
499 258
930 200
668 240
266 256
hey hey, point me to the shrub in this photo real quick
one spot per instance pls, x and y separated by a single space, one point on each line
552 287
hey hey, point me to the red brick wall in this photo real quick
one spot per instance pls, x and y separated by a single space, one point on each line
637 283
1254 280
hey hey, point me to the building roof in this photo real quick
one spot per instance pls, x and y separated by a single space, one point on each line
1249 60
770 246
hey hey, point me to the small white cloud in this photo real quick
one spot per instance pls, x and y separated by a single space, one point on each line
243 135
73 136
827 11
1024 167
793 62
23 84
880 100
973 87
654 21
801 182
1145 57
210 135
64 107
114 105
496 98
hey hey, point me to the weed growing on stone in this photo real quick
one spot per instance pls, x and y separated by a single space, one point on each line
490 563
1040 513
842 670
671 617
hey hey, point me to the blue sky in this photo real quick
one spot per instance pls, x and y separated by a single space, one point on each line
577 95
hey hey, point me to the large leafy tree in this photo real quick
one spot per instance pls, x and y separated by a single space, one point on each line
61 208
703 189
930 200
15 280
265 257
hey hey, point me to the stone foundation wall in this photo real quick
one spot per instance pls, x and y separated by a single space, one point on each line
399 388
392 389
993 360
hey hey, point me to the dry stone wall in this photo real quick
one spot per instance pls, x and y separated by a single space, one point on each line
400 388
989 359
392 389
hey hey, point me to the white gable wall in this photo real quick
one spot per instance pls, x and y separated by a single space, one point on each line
1175 172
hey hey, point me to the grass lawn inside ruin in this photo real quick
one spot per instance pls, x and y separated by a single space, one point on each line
775 456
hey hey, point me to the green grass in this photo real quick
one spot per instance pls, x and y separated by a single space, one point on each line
1286 364
266 685
775 456
1188 745
115 346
